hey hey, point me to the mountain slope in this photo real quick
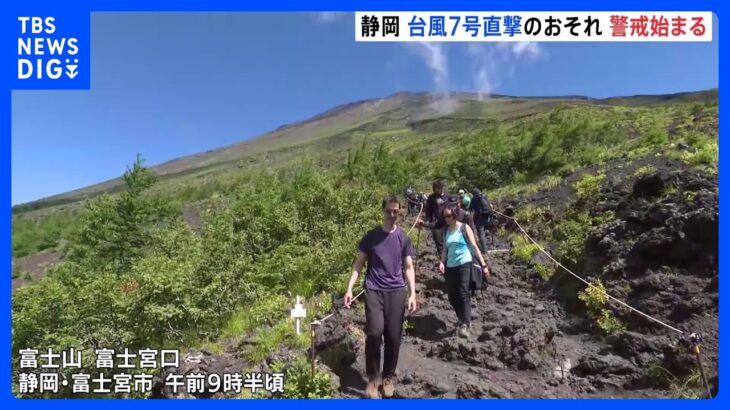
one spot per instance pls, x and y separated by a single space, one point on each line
418 112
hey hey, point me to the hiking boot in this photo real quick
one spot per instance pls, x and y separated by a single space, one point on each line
372 390
388 387
464 331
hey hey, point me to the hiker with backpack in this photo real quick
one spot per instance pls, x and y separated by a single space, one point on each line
389 253
435 205
464 215
481 211
412 200
458 267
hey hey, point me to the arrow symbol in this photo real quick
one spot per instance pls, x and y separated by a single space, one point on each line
71 71
71 68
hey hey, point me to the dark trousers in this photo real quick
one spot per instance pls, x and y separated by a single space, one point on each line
482 225
438 239
384 315
412 209
457 287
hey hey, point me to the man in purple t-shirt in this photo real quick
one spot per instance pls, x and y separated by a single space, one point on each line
388 250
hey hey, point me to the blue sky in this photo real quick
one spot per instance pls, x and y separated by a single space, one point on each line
173 84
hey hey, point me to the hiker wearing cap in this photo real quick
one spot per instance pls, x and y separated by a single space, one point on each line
481 211
388 251
465 215
457 264
435 204
465 202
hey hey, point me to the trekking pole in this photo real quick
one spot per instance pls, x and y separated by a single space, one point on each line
418 241
312 333
695 339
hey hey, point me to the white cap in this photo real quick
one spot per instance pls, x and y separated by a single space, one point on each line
461 192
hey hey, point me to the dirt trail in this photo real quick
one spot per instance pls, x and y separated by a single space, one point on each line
529 337
523 343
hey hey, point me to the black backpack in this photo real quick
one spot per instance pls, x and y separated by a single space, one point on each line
466 217
486 207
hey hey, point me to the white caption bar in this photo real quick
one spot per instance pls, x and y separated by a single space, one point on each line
534 26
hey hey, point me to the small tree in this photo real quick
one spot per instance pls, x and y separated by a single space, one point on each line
113 231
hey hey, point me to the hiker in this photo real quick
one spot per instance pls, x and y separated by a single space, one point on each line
481 211
465 202
435 205
388 251
464 215
419 203
412 199
457 264
422 197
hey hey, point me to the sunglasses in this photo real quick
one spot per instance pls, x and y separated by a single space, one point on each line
392 211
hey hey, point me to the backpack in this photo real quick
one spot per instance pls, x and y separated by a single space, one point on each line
485 208
477 280
464 216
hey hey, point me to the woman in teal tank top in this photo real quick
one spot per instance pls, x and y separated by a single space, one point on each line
456 264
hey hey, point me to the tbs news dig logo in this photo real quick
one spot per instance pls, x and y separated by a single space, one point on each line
43 55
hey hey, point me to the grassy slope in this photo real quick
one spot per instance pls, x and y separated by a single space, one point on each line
331 133
404 121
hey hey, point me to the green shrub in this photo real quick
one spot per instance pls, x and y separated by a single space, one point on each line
571 231
707 154
655 137
686 387
589 187
644 170
569 237
269 339
33 235
550 182
530 214
408 326
594 296
596 302
265 312
523 249
298 381
545 271
609 324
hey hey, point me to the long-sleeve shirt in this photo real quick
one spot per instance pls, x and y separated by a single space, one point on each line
434 203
